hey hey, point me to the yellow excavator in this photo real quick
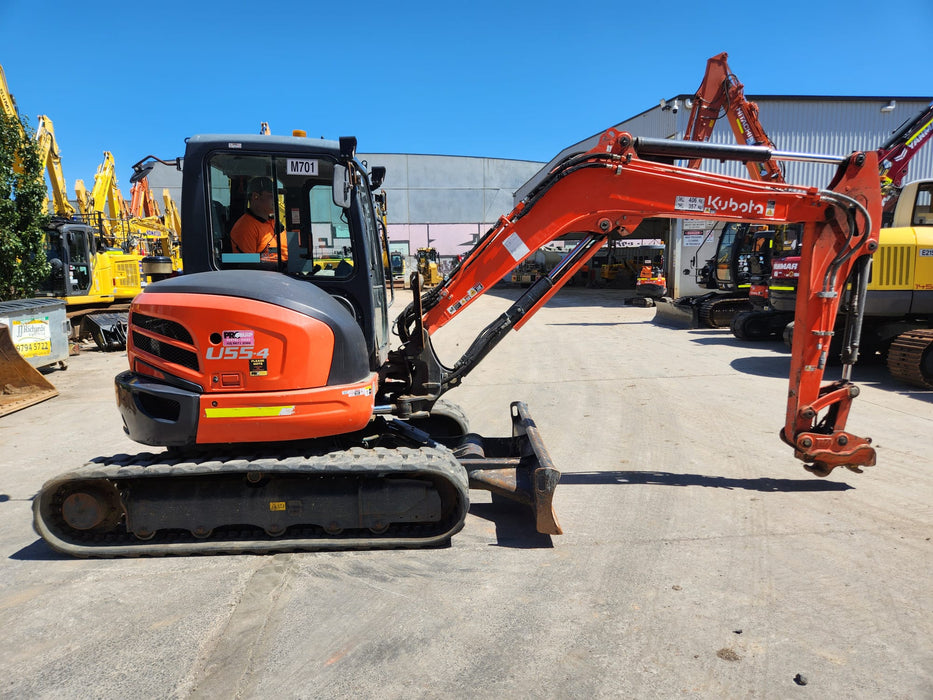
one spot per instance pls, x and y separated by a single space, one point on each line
95 258
92 271
427 267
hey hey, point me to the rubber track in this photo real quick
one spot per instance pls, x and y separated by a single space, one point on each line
718 313
759 324
431 462
905 357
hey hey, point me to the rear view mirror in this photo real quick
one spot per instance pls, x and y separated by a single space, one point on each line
377 177
341 186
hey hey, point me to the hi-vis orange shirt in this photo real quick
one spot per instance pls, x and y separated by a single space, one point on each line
250 234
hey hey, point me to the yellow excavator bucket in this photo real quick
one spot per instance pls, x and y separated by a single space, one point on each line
21 384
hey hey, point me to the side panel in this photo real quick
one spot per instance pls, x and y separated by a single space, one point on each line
292 415
230 344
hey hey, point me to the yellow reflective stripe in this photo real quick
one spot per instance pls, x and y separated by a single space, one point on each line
249 412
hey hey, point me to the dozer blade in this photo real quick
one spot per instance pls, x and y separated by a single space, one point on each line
21 384
518 468
676 313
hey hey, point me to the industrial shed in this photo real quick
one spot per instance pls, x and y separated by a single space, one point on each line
829 125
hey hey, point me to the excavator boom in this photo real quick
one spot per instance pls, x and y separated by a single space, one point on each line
608 191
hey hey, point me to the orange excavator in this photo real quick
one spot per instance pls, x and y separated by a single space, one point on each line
289 422
740 266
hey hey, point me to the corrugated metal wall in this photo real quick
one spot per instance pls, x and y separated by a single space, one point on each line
824 125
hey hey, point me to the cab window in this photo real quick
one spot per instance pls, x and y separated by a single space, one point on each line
923 212
277 213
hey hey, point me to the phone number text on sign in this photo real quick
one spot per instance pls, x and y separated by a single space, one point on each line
32 338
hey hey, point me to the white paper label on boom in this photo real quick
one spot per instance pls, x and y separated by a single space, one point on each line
682 203
299 166
516 246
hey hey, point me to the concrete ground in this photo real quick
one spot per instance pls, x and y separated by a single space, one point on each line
699 559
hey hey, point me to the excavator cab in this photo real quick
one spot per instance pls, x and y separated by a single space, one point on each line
737 245
69 249
323 216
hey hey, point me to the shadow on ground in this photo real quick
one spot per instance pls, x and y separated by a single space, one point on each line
515 524
764 484
38 551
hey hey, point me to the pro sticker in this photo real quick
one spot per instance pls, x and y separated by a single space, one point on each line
238 339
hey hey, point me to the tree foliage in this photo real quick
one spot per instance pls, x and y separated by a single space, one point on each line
22 212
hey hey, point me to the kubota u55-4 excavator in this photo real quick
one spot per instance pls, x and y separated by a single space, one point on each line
290 423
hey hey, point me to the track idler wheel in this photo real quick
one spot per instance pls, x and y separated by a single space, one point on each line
91 507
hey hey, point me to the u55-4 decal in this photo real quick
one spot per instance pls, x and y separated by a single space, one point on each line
218 353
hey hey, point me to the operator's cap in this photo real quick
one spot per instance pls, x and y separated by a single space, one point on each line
260 184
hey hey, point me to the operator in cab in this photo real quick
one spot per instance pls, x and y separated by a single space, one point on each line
254 232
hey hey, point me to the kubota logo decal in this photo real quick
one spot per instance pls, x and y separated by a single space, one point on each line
732 206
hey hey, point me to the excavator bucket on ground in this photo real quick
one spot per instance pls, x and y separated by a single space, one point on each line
21 384
678 313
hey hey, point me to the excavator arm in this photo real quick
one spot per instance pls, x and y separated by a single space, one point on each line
142 202
51 157
896 153
721 94
608 191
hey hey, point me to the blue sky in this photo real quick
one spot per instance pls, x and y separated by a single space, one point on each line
498 79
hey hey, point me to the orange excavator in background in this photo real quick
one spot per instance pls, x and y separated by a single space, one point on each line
719 96
290 423
741 262
161 233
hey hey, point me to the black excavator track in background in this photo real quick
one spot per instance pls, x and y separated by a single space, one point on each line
910 358
719 311
760 324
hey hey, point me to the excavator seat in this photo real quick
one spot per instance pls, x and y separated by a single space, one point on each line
219 224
